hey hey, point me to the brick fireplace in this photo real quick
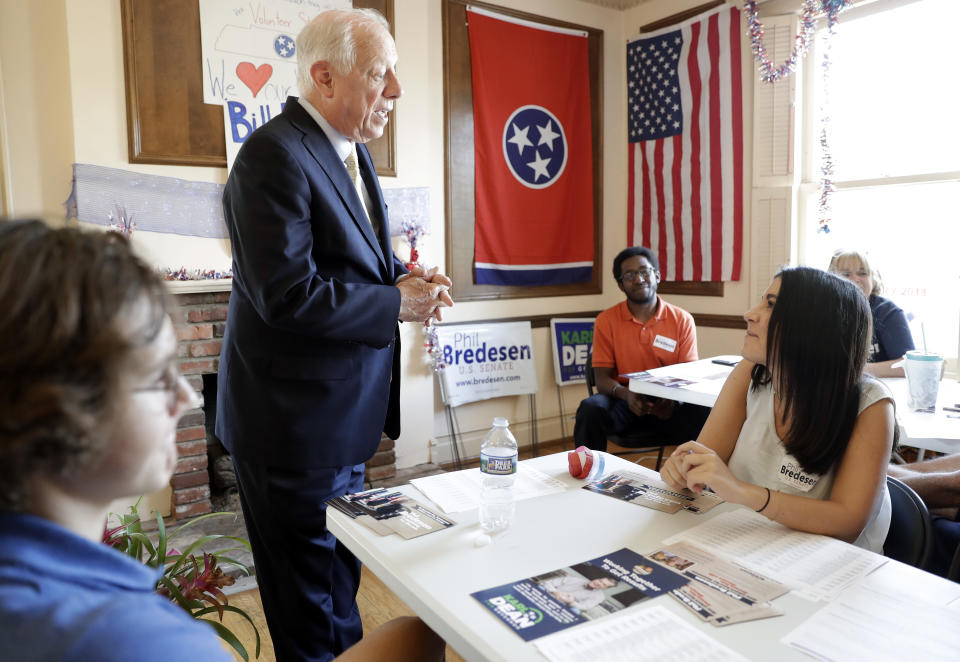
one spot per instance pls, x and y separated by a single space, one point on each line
200 323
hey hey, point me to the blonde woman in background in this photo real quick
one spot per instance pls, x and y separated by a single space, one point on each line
891 335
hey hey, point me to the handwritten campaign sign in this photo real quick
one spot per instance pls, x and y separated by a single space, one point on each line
249 48
572 340
241 115
486 361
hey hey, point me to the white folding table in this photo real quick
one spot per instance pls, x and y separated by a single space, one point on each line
706 378
436 573
936 431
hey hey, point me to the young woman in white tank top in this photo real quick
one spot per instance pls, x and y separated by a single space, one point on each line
798 432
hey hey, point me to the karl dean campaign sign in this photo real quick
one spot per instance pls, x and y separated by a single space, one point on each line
572 340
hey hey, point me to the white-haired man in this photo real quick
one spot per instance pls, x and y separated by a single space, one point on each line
309 371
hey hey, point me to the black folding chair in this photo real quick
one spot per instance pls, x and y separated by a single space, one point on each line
911 531
954 572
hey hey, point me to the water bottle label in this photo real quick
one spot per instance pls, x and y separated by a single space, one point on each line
498 466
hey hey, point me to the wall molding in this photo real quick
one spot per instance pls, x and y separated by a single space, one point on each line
542 321
719 321
6 185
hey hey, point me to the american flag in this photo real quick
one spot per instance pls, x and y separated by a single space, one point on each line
685 194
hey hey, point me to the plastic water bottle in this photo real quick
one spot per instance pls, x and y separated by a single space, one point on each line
498 464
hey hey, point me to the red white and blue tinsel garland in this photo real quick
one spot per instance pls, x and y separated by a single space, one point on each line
770 73
412 230
121 222
827 187
195 274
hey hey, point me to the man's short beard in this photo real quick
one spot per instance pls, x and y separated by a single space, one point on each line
643 301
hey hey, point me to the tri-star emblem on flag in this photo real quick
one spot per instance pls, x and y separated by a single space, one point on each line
534 146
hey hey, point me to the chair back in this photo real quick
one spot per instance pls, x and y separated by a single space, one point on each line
954 572
911 531
636 440
590 377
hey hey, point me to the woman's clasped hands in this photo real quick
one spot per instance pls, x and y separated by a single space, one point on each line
694 466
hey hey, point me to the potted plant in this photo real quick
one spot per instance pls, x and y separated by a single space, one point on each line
191 582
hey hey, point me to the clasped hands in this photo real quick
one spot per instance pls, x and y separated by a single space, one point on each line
694 466
422 294
642 405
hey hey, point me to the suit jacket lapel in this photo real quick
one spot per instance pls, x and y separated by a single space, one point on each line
317 144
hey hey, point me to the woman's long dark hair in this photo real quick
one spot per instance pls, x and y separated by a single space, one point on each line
817 343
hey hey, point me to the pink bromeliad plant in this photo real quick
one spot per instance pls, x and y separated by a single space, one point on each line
195 588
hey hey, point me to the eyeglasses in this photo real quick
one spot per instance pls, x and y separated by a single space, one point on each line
174 385
630 276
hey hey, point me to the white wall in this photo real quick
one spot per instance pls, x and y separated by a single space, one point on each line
36 93
62 68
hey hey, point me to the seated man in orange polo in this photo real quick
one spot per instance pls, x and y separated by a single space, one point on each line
641 333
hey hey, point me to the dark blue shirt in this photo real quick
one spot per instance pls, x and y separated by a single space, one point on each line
891 335
66 598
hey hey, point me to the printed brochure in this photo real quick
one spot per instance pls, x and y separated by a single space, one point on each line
651 492
721 592
541 605
385 512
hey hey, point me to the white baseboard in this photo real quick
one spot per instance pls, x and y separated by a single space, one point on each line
548 429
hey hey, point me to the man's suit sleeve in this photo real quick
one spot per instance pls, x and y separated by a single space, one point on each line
399 268
269 204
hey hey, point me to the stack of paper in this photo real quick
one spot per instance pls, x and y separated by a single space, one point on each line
817 566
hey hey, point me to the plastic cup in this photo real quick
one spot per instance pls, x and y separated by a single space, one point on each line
923 370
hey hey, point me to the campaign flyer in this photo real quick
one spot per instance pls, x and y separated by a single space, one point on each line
386 512
661 380
547 603
651 492
720 592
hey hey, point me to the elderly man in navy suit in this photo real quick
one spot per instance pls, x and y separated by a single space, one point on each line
309 370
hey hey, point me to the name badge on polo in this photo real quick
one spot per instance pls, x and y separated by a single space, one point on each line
791 474
662 342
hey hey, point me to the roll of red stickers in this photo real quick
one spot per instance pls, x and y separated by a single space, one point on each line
580 461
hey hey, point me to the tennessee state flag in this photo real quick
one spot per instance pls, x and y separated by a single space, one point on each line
533 152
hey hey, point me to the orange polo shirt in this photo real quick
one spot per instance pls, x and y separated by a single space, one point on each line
620 341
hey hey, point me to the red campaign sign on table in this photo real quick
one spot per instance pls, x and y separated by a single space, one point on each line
533 152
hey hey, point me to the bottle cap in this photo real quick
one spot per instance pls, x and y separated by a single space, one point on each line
500 422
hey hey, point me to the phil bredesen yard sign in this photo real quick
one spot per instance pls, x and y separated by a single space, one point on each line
483 361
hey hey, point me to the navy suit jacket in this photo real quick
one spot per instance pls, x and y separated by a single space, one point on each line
309 369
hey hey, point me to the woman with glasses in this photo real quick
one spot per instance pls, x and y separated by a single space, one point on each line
798 432
90 397
891 334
